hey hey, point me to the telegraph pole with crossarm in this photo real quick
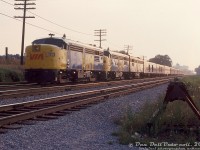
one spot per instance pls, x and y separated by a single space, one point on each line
127 48
100 33
23 6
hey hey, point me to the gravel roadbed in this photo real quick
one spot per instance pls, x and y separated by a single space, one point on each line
87 129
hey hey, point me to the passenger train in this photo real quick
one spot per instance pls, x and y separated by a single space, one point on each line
59 60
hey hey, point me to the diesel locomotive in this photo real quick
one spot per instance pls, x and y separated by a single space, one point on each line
59 60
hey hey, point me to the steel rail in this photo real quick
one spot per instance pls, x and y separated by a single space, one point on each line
104 94
69 96
45 90
17 86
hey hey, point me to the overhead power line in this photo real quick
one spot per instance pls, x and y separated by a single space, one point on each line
60 25
52 21
31 24
6 2
27 22
8 16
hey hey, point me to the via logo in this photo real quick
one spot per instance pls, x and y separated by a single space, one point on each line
37 56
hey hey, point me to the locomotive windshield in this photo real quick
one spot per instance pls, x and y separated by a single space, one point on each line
107 53
57 42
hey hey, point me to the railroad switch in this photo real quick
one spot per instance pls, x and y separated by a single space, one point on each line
176 90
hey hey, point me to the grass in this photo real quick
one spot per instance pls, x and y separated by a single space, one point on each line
133 124
177 123
11 73
193 85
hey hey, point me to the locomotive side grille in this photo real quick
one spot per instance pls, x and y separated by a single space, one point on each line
121 58
114 57
96 59
127 59
89 51
76 48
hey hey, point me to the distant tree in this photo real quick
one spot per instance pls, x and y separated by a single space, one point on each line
162 60
177 66
197 70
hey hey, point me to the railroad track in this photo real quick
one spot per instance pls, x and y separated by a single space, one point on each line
51 108
14 86
46 90
11 83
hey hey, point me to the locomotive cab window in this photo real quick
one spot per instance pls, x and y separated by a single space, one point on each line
64 46
57 42
107 53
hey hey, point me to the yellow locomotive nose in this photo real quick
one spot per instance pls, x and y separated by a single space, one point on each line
43 62
45 57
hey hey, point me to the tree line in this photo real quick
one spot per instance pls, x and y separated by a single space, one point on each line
10 59
162 60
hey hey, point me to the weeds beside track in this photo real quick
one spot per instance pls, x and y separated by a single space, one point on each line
178 124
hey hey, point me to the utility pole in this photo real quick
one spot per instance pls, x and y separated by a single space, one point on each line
100 33
6 53
143 63
127 48
23 6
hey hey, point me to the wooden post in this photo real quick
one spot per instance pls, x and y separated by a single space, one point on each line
6 53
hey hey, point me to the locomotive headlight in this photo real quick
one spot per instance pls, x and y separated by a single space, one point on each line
74 72
60 72
35 48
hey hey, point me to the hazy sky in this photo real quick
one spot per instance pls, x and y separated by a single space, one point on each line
152 27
